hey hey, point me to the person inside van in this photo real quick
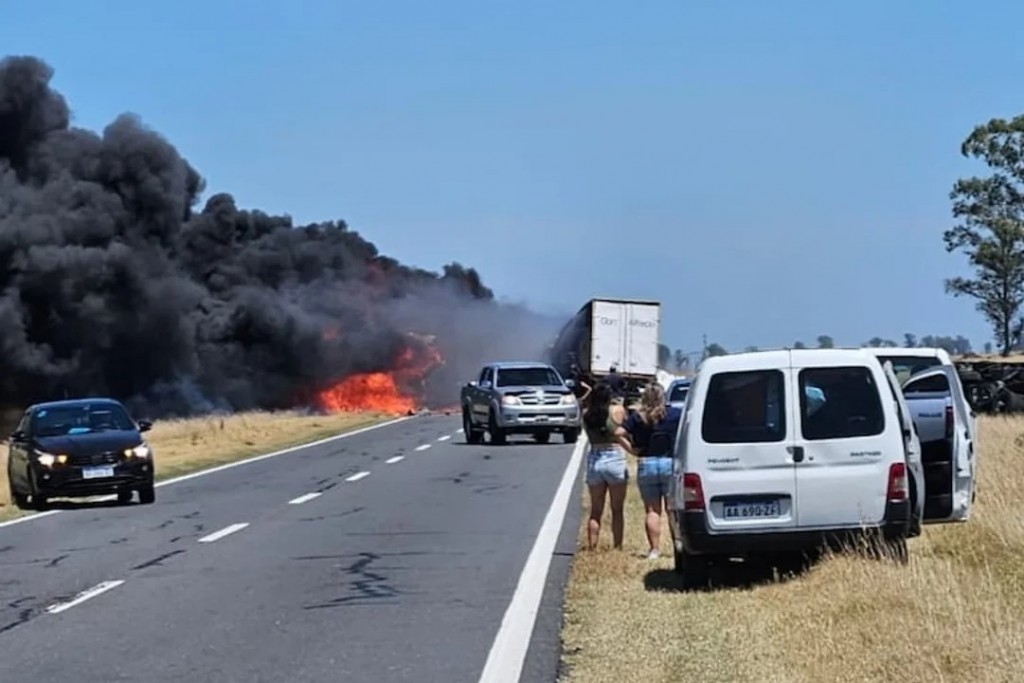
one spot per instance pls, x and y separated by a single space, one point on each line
652 429
606 462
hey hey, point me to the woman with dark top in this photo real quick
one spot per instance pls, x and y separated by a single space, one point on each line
606 461
652 429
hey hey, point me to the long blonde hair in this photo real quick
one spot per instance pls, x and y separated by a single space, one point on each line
652 404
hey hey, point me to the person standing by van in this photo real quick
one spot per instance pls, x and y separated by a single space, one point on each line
607 474
652 429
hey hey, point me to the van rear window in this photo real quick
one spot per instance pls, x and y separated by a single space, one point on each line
745 407
849 405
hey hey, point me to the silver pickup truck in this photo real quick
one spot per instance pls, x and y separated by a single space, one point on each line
519 398
945 425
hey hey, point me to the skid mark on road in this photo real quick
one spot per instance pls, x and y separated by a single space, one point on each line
157 560
369 587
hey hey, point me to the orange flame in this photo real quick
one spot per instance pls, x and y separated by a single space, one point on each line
391 391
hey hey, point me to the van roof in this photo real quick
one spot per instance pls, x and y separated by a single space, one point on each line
757 360
918 351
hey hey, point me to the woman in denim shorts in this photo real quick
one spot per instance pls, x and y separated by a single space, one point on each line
606 462
652 429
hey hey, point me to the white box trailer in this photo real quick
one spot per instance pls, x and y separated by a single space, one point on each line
606 333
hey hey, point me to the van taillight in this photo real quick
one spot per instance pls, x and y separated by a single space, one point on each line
897 492
693 492
949 421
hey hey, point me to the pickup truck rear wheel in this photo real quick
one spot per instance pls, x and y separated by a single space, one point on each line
571 435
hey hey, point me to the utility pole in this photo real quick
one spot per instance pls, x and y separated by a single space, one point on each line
704 348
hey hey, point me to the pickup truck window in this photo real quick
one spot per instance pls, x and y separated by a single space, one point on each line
937 383
679 392
906 366
534 377
852 406
745 407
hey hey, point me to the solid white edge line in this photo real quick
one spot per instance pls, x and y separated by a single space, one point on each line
444 438
508 652
304 498
59 607
217 535
358 475
227 466
423 447
392 461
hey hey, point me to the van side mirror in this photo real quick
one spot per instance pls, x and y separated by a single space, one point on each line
145 425
18 435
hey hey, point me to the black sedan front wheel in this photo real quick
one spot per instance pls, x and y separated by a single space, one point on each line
147 494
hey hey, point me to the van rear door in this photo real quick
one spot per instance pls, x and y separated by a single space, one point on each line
935 397
745 450
842 478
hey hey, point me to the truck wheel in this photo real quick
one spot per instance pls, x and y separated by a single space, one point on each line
473 436
497 433
571 435
147 494
542 437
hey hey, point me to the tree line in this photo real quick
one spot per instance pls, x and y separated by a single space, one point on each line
678 360
988 229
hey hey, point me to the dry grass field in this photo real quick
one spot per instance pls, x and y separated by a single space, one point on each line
954 613
183 446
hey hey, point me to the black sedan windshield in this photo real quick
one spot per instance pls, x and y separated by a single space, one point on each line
81 419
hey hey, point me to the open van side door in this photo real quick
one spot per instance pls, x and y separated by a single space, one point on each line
932 395
912 447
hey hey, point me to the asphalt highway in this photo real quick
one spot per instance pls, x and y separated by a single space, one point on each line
389 555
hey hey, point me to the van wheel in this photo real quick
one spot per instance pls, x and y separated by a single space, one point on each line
694 570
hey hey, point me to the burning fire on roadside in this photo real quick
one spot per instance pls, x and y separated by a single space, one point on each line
398 390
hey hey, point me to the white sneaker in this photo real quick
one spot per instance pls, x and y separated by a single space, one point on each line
653 555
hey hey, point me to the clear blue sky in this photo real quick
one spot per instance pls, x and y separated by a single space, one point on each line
770 171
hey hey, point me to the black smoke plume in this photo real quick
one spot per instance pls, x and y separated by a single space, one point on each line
114 282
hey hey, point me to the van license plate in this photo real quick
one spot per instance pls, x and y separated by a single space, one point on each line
97 472
758 510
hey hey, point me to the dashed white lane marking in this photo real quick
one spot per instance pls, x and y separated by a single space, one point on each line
221 468
423 447
445 437
217 535
304 499
392 461
458 431
508 652
357 476
98 589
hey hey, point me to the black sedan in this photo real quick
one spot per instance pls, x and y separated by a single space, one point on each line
82 447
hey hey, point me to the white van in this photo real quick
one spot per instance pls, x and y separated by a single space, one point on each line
781 450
